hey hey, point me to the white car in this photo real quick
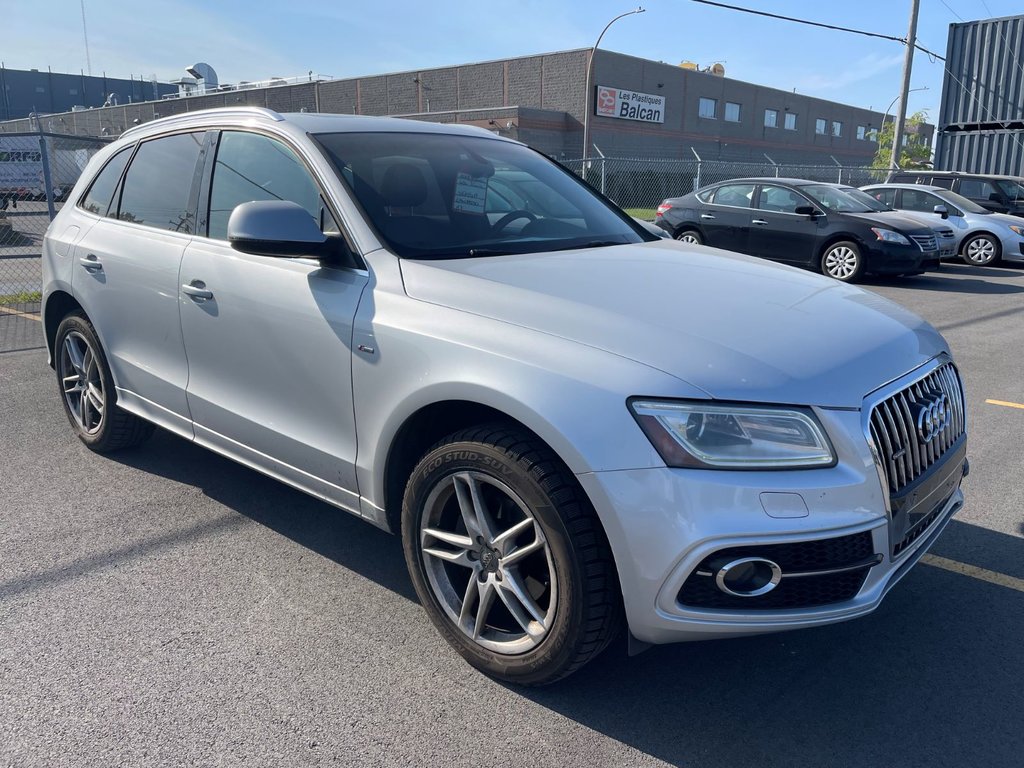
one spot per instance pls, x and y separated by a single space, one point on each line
575 426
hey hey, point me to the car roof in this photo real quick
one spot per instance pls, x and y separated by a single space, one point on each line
305 122
899 185
955 174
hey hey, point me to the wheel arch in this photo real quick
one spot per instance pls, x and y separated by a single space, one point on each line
838 238
972 235
59 305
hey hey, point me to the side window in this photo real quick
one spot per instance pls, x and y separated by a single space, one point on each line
738 195
976 189
97 199
253 167
946 182
915 200
779 199
887 196
158 187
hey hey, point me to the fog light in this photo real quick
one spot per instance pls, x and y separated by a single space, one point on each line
748 577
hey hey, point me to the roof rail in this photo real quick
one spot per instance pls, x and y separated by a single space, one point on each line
257 112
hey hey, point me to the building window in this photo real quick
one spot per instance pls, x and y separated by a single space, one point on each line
732 111
862 132
771 118
820 126
708 108
837 128
790 121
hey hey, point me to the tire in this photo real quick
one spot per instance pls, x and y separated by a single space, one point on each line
548 611
981 250
843 261
87 390
690 236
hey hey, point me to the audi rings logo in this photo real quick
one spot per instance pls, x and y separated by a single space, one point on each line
932 416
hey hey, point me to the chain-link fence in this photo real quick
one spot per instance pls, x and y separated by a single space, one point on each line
37 172
639 185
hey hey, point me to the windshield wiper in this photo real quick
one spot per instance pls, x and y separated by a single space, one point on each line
593 244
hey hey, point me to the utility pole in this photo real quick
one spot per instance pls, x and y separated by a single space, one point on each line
908 63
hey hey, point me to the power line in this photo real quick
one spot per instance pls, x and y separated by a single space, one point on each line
810 23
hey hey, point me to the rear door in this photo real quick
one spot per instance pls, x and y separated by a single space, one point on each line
126 275
725 220
269 342
984 193
777 232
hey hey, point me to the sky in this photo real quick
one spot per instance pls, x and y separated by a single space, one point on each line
252 40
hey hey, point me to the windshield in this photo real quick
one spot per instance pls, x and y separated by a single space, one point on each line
866 199
448 196
835 199
1012 189
961 202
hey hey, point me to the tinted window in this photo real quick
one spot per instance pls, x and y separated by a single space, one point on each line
158 186
916 200
734 194
976 189
253 167
946 182
97 199
779 199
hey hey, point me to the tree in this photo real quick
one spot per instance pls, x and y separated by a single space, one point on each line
915 153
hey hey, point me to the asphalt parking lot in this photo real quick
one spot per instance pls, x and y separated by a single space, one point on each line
169 607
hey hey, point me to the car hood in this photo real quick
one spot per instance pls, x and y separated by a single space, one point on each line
737 327
896 220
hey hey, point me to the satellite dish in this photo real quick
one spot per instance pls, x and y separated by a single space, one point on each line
717 69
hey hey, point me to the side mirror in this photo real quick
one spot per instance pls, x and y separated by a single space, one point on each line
806 210
942 210
277 228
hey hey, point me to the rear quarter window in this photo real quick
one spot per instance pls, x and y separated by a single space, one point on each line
101 191
157 189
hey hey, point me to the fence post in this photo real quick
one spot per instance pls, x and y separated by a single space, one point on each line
47 182
696 181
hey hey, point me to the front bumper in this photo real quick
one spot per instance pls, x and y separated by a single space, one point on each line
883 258
664 523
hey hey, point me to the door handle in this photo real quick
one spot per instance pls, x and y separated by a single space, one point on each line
91 263
196 290
706 216
759 221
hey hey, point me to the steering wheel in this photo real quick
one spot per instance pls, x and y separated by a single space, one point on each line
511 216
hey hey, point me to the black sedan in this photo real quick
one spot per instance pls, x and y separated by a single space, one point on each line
805 223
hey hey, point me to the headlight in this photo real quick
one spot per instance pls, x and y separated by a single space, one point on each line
889 236
688 434
1018 230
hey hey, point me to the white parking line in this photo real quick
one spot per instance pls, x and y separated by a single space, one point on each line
18 313
1006 404
974 572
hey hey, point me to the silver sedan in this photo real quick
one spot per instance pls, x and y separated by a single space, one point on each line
983 237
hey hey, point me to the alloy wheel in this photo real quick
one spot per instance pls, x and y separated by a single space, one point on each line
841 262
688 237
82 383
980 251
488 563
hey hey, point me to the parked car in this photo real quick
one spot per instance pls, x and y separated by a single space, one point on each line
982 237
807 223
945 236
572 423
1000 194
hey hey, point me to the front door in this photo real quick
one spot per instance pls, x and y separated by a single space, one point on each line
269 339
777 232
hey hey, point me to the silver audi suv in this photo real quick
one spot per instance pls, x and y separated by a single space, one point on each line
577 428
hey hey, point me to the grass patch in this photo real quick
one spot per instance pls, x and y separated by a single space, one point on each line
25 297
647 214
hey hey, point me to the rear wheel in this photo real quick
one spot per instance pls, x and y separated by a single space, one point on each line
690 236
507 556
843 261
87 390
981 250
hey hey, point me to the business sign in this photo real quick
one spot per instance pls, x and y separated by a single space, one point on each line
629 105
21 163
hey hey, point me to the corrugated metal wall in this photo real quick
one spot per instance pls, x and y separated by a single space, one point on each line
981 120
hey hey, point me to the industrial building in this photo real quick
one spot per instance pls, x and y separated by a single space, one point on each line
24 91
639 109
981 119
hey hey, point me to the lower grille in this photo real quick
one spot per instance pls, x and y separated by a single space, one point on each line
801 585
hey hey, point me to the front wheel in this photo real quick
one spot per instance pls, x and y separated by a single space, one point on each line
691 236
981 250
507 556
843 261
87 390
